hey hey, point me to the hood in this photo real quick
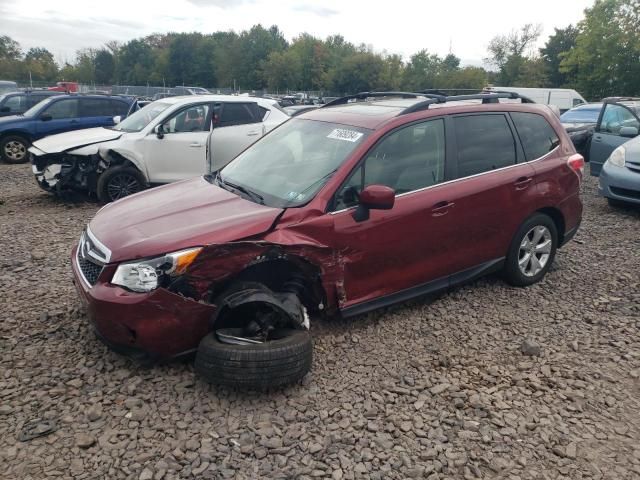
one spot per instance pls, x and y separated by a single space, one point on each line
13 120
572 127
177 216
632 149
76 139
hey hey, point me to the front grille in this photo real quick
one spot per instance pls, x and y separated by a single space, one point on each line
625 192
92 256
90 271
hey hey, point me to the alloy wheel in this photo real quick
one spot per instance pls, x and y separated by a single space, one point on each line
535 250
122 185
15 150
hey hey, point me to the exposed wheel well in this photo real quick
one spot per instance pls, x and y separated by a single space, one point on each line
558 220
291 274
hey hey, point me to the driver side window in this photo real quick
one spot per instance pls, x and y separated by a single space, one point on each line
191 119
408 159
616 117
65 108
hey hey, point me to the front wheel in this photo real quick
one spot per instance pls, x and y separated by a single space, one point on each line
532 251
118 182
14 149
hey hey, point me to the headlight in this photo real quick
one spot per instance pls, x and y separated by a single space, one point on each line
617 157
146 275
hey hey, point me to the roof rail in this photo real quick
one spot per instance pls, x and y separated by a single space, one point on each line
620 99
365 95
492 97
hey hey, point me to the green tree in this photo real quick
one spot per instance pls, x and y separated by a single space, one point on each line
422 71
10 58
135 62
105 65
509 52
361 72
604 61
556 48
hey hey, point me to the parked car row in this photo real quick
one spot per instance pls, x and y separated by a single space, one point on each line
168 140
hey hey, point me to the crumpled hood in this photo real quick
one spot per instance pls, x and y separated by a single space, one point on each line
76 139
178 216
573 127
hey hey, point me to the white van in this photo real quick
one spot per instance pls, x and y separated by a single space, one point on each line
7 86
563 98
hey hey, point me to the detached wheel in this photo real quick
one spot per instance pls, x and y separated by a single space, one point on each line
284 358
118 182
532 251
14 149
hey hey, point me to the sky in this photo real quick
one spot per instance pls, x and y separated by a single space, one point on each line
404 27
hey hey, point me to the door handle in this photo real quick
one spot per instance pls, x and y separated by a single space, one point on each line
441 208
253 134
597 138
195 145
523 182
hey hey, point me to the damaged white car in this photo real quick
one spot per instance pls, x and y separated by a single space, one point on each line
166 141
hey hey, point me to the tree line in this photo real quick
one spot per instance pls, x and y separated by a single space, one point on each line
599 56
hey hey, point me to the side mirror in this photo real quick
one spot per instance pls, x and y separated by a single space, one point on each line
629 132
117 119
159 131
46 117
374 197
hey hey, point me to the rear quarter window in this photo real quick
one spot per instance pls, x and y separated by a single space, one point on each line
536 134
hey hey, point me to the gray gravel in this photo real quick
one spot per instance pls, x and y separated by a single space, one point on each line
436 388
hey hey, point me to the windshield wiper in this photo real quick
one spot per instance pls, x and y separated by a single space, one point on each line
257 198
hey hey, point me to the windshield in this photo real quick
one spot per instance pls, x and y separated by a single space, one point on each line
581 115
142 118
291 164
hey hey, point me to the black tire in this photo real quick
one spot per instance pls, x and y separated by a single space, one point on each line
13 149
512 271
281 361
118 182
616 203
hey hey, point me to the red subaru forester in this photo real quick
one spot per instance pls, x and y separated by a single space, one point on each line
371 200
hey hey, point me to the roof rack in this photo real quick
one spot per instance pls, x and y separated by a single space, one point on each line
432 96
621 99
365 95
492 97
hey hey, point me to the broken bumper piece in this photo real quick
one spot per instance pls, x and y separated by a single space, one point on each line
158 325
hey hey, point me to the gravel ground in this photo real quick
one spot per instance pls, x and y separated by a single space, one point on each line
436 388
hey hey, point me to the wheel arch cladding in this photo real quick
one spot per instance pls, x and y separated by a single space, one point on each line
313 273
558 220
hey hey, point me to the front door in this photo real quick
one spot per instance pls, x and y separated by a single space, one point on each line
178 152
396 251
607 137
59 116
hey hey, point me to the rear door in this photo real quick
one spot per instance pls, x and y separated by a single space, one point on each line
181 152
493 191
236 127
96 112
607 135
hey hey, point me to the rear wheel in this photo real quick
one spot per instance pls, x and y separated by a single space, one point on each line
118 182
14 149
532 251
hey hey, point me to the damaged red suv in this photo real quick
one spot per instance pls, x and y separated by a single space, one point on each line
371 200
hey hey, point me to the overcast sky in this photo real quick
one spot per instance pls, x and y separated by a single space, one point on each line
403 27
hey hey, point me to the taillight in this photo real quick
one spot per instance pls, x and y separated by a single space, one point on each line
576 163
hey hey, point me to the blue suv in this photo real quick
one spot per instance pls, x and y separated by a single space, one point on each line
56 115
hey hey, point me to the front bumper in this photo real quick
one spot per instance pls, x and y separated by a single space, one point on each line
619 183
158 324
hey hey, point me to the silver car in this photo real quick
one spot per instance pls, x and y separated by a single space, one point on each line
620 174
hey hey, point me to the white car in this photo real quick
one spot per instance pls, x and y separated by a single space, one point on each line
168 140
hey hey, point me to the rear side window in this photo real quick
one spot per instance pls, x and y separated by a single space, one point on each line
95 107
119 108
15 103
536 135
485 143
237 114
